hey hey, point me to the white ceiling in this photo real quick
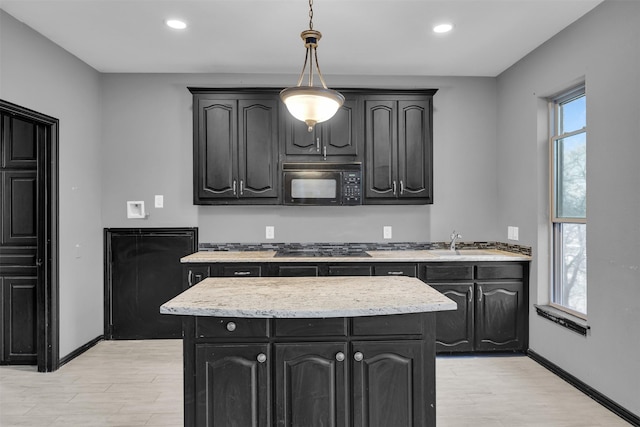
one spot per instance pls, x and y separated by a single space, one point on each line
375 37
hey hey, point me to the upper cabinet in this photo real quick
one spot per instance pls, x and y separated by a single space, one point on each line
242 135
336 139
235 148
399 150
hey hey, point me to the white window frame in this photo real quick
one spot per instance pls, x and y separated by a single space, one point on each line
555 221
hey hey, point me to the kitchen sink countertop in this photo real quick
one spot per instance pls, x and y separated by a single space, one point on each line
307 297
426 255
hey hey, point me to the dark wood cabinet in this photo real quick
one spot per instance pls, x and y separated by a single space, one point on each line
492 306
331 140
500 316
233 383
235 148
455 330
388 384
310 372
311 384
398 145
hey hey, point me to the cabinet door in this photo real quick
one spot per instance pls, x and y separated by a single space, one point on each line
311 384
388 384
414 149
501 315
216 149
381 148
233 385
454 329
340 133
337 136
257 148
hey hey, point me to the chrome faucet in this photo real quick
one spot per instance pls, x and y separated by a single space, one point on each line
454 237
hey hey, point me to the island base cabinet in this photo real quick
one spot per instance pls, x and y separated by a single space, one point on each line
388 385
311 385
232 385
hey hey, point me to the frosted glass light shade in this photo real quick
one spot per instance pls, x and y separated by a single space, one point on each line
312 104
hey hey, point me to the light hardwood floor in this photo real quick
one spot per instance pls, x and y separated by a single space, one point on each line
139 383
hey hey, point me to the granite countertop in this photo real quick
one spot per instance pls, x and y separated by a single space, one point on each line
428 255
307 297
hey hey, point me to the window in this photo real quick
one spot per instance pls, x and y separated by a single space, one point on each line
569 202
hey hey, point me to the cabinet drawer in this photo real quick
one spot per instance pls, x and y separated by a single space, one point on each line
241 271
396 324
349 270
444 273
501 271
395 270
230 327
297 271
311 327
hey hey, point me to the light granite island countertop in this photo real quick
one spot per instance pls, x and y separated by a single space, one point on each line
307 297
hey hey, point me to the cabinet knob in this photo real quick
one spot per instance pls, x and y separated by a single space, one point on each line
262 358
231 326
358 357
339 356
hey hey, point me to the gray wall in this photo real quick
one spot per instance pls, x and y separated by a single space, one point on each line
603 49
147 135
37 74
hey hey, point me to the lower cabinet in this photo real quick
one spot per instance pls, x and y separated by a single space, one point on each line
233 385
356 380
492 307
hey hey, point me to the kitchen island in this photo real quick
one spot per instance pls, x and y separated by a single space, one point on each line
309 351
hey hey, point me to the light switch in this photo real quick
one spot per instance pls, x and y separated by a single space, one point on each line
386 232
159 201
512 233
270 232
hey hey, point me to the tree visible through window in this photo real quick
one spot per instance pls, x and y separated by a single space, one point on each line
569 202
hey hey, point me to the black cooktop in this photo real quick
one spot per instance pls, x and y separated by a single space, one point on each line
312 253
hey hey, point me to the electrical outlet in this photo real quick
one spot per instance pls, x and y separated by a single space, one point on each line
512 233
159 201
270 232
386 232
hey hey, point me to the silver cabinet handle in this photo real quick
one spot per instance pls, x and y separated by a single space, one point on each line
358 356
231 326
241 273
395 273
324 152
190 278
234 187
339 356
394 188
470 295
318 144
401 187
261 358
241 187
479 293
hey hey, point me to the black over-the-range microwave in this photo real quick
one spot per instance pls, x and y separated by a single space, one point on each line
322 184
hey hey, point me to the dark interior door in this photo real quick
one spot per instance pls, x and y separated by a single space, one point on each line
143 272
20 214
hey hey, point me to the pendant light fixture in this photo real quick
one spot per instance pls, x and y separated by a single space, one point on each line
311 104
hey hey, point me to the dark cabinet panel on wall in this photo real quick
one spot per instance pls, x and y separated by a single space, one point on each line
337 137
398 144
235 148
143 271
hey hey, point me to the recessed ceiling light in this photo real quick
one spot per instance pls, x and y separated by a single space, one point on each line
176 24
442 28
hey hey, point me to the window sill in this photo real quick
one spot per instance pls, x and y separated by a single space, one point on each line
563 319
